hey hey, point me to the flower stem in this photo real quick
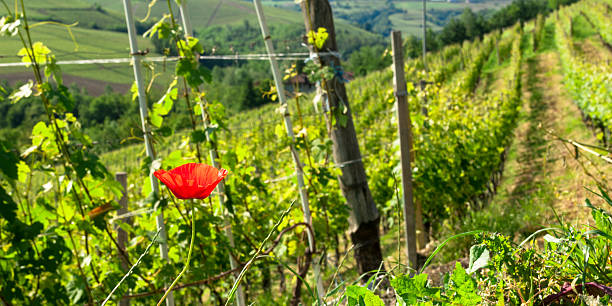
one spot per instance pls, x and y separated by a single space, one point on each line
188 257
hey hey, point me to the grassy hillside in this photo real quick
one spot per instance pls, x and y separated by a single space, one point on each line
100 34
206 12
406 16
89 44
89 15
95 37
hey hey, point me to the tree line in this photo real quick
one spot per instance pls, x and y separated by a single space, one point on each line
470 25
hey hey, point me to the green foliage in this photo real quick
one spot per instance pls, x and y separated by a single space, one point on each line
360 296
368 59
415 290
318 38
528 273
459 289
587 82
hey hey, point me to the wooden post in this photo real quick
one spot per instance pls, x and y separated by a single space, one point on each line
122 236
497 49
364 217
405 136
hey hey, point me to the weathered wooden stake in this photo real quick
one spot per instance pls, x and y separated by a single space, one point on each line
122 236
497 49
405 136
364 217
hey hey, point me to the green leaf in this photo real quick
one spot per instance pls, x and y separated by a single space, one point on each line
155 119
38 50
205 73
9 162
22 171
7 206
414 289
357 295
174 159
24 91
134 91
194 74
76 290
479 258
198 136
464 287
164 131
53 69
162 28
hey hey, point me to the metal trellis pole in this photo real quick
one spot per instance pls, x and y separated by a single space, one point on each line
214 156
129 19
424 33
289 127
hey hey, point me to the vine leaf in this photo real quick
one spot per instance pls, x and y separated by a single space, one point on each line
8 166
415 289
464 287
38 51
24 91
479 258
357 295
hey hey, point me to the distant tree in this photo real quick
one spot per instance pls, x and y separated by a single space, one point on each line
474 24
453 32
368 59
413 48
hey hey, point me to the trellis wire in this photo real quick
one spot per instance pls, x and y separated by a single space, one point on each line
129 272
241 57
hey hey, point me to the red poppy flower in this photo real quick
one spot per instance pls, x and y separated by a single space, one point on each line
191 181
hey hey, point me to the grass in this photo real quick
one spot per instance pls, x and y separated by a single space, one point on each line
210 12
89 44
410 20
70 11
97 43
451 6
411 25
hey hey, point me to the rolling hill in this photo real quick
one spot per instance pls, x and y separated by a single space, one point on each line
100 33
406 16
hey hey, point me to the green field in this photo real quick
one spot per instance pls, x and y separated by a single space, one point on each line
87 44
95 36
408 21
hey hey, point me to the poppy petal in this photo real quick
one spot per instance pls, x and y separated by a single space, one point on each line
192 180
